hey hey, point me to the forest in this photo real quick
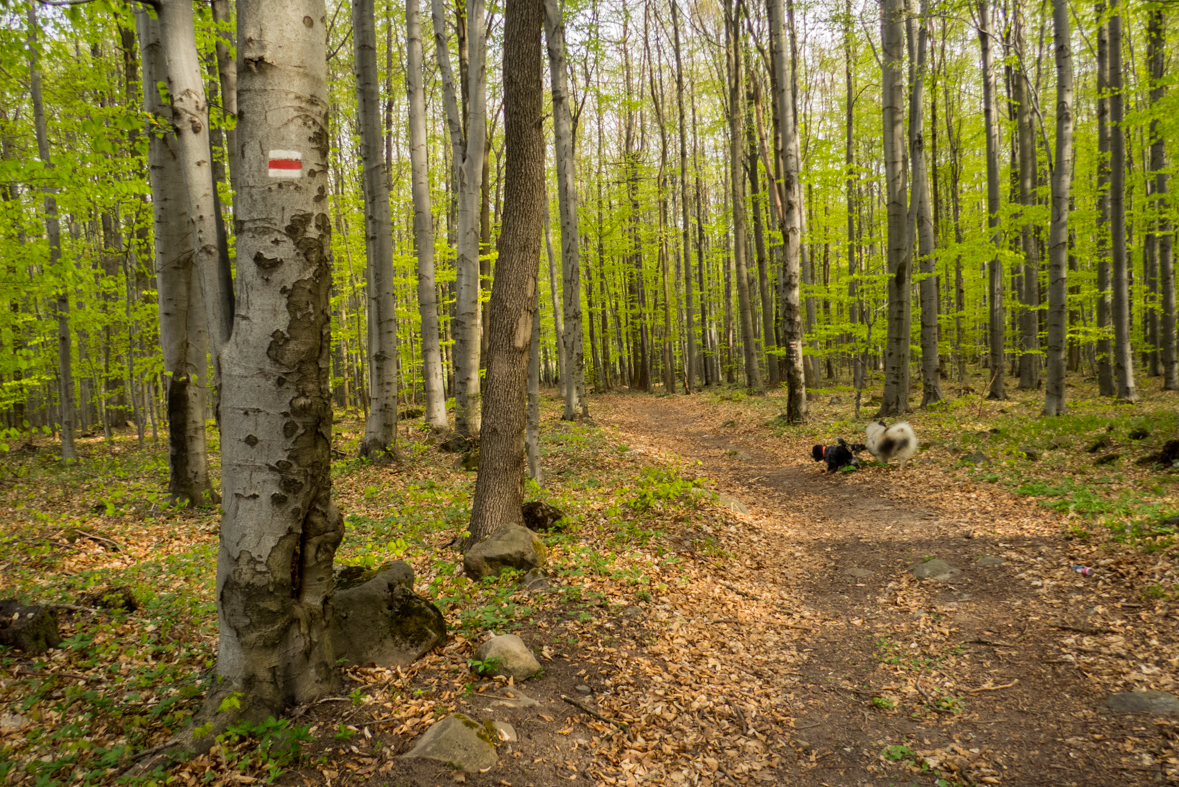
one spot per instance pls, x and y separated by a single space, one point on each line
369 360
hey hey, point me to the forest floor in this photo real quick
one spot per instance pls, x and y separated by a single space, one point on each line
730 613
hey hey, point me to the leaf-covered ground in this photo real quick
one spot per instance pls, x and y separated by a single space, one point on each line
789 644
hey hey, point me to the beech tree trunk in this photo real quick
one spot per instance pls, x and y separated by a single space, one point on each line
380 430
467 142
686 242
789 297
1105 374
1156 46
1062 175
896 354
227 76
1029 291
573 337
190 121
280 530
921 208
997 330
183 338
499 487
61 303
1123 360
423 227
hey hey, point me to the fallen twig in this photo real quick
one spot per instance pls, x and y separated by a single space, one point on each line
621 727
1062 626
930 701
994 688
991 643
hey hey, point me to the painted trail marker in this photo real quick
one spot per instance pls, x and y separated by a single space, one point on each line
285 164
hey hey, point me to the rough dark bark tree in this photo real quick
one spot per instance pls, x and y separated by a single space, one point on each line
996 334
1156 45
499 487
1105 374
686 243
1123 353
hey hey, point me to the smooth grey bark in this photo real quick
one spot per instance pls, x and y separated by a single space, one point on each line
468 146
789 297
227 76
1062 176
921 216
1105 374
380 429
499 486
532 430
737 185
896 354
61 302
554 297
1156 48
279 530
423 225
769 346
1123 353
183 337
996 334
190 121
850 185
572 338
686 242
1029 290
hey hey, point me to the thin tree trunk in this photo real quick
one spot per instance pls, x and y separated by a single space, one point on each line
769 346
1123 352
1156 43
1029 292
227 75
423 224
53 235
380 431
532 430
896 359
686 248
997 329
572 338
1062 175
499 487
554 295
922 216
1105 375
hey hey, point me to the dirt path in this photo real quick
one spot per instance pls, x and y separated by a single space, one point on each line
845 670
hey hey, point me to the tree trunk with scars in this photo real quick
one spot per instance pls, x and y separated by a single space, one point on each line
183 337
190 120
573 337
380 430
896 355
1156 45
1123 360
789 297
499 486
686 242
423 227
467 144
279 530
997 331
61 303
922 216
1062 175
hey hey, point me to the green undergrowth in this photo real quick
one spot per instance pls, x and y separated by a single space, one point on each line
124 681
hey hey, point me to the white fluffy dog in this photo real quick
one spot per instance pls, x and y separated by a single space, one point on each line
891 442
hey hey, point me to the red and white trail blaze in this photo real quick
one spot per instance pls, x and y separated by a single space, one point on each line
286 164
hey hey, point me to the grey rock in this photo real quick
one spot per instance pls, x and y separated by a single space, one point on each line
1100 444
348 577
733 504
518 700
937 570
860 573
542 517
987 562
459 742
511 546
977 458
1156 702
537 581
510 657
743 457
1108 459
836 400
507 733
584 689
384 622
632 612
1031 454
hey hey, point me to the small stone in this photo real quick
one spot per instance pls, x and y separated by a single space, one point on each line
836 400
111 597
977 458
1155 702
511 546
584 689
733 504
1099 444
509 656
536 581
632 612
506 732
459 742
987 562
935 569
542 517
1141 433
517 701
859 573
1108 459
1031 454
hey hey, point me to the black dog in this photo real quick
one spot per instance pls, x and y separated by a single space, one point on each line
837 456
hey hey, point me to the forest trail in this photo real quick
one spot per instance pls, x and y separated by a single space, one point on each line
853 672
